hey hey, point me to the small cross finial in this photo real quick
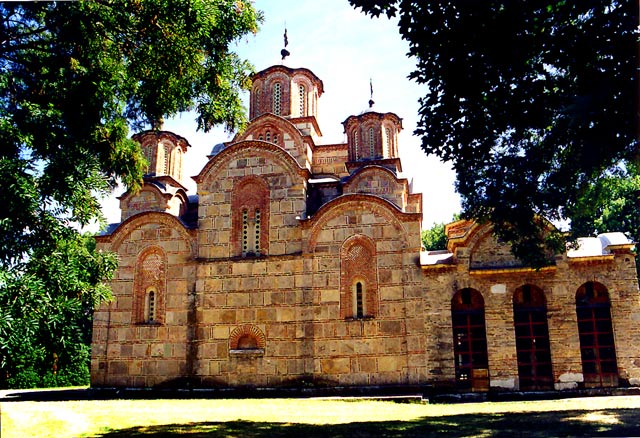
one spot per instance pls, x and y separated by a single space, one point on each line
284 52
371 102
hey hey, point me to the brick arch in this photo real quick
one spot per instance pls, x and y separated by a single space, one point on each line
125 229
150 273
353 202
249 330
358 263
251 193
278 125
251 149
397 188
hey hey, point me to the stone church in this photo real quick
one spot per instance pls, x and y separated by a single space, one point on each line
300 263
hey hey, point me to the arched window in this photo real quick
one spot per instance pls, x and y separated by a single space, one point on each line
597 346
358 300
372 143
358 278
149 156
356 152
389 145
149 286
277 97
256 101
150 305
176 171
165 159
302 100
470 340
250 210
267 136
532 338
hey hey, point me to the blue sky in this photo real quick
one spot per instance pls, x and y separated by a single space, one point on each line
345 49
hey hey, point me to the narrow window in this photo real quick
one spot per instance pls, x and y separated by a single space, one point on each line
302 92
268 136
389 146
251 233
245 232
257 232
149 156
151 306
275 138
165 170
359 301
371 143
277 94
355 144
256 110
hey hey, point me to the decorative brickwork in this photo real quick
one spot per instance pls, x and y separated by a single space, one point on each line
150 286
292 263
250 209
358 278
247 336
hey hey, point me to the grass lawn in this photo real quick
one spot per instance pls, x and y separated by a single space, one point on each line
307 418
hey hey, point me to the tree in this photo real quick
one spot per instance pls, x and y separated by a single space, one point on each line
530 101
45 313
75 77
434 238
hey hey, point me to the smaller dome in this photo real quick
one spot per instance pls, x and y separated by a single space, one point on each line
217 149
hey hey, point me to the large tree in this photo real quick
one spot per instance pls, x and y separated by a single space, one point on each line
74 78
533 102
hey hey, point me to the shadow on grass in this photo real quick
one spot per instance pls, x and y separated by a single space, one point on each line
620 422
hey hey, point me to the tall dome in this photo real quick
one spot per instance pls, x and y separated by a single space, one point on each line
286 92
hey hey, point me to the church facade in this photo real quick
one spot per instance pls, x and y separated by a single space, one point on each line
300 263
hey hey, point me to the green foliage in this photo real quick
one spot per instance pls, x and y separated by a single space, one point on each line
47 305
74 77
434 238
530 101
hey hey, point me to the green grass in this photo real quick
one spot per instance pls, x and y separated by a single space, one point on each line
308 418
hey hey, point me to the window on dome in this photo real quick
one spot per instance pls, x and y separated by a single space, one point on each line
372 153
356 152
302 97
277 96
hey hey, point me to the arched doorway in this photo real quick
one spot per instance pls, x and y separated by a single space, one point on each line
597 346
532 338
470 340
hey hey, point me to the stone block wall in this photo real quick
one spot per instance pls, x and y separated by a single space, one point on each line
127 350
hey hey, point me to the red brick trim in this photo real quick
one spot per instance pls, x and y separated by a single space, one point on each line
357 202
134 222
250 193
154 275
247 330
250 149
358 262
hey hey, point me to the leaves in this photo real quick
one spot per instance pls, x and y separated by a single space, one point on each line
47 304
529 101
76 75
